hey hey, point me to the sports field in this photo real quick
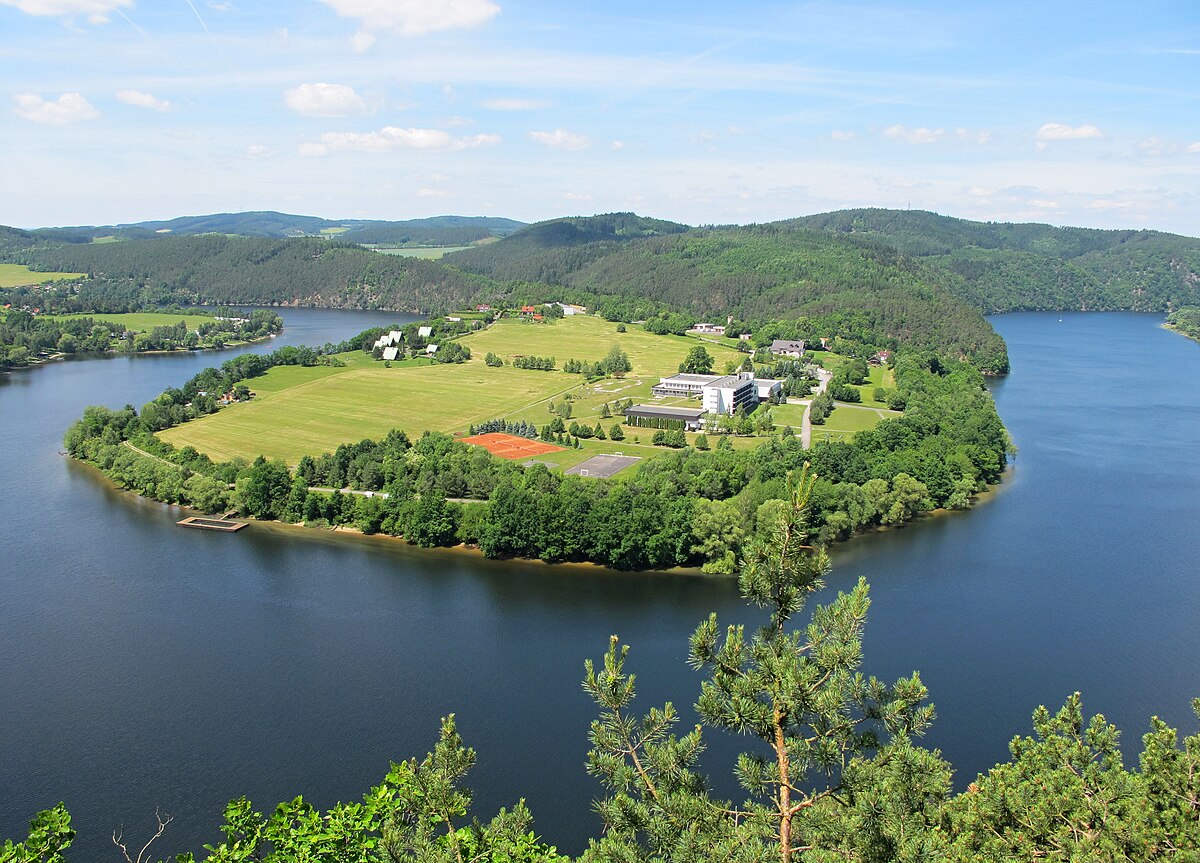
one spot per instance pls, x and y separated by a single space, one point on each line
18 275
308 411
583 337
511 446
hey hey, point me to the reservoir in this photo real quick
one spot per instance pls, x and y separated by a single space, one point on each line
148 666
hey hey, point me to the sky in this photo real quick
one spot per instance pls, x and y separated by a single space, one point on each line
116 111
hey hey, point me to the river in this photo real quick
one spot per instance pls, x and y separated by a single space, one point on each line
144 665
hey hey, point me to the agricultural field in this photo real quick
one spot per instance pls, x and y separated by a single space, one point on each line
140 322
19 275
429 253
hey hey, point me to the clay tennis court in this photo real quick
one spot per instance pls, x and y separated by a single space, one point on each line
510 446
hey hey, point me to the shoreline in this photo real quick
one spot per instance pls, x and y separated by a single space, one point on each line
343 533
59 357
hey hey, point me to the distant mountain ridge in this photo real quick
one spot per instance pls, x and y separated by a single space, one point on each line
435 230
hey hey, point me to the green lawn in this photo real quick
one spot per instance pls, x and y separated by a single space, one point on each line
301 411
19 275
146 321
847 420
583 337
306 411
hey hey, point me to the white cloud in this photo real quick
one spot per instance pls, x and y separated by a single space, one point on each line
324 100
95 10
258 151
1193 147
618 145
561 139
432 193
515 104
394 138
143 100
1063 132
68 108
842 135
973 136
410 17
576 196
1109 204
920 135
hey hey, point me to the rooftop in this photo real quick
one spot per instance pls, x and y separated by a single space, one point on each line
663 411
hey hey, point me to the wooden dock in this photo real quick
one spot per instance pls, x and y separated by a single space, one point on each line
206 523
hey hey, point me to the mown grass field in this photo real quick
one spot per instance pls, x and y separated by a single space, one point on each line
583 337
847 420
145 321
308 411
19 275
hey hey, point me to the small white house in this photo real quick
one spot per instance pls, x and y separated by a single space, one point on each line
395 337
453 319
424 332
430 350
391 353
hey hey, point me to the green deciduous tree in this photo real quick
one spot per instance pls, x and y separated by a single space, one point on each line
697 362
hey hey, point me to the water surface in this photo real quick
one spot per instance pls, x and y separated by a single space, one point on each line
144 665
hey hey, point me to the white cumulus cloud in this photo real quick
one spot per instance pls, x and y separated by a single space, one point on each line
561 139
67 108
394 138
920 135
95 10
324 100
1062 132
618 145
842 135
143 100
410 17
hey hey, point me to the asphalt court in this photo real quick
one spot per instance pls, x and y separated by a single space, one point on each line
602 466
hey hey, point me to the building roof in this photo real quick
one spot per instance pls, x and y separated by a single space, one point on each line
728 381
664 411
390 353
424 332
780 345
685 378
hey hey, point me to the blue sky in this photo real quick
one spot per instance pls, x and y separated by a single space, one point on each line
702 112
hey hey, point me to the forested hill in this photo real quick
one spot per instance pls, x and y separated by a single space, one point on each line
761 272
1009 267
437 230
226 270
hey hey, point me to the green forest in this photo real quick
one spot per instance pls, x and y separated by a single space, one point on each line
833 767
909 277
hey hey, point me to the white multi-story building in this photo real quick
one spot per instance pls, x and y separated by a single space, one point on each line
720 394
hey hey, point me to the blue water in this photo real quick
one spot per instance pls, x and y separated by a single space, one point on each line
145 666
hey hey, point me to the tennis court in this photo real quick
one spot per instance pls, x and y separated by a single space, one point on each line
511 446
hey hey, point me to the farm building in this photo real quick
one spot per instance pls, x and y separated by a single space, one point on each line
653 416
788 348
711 329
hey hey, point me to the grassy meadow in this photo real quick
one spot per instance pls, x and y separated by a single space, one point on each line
429 253
300 411
19 275
145 321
